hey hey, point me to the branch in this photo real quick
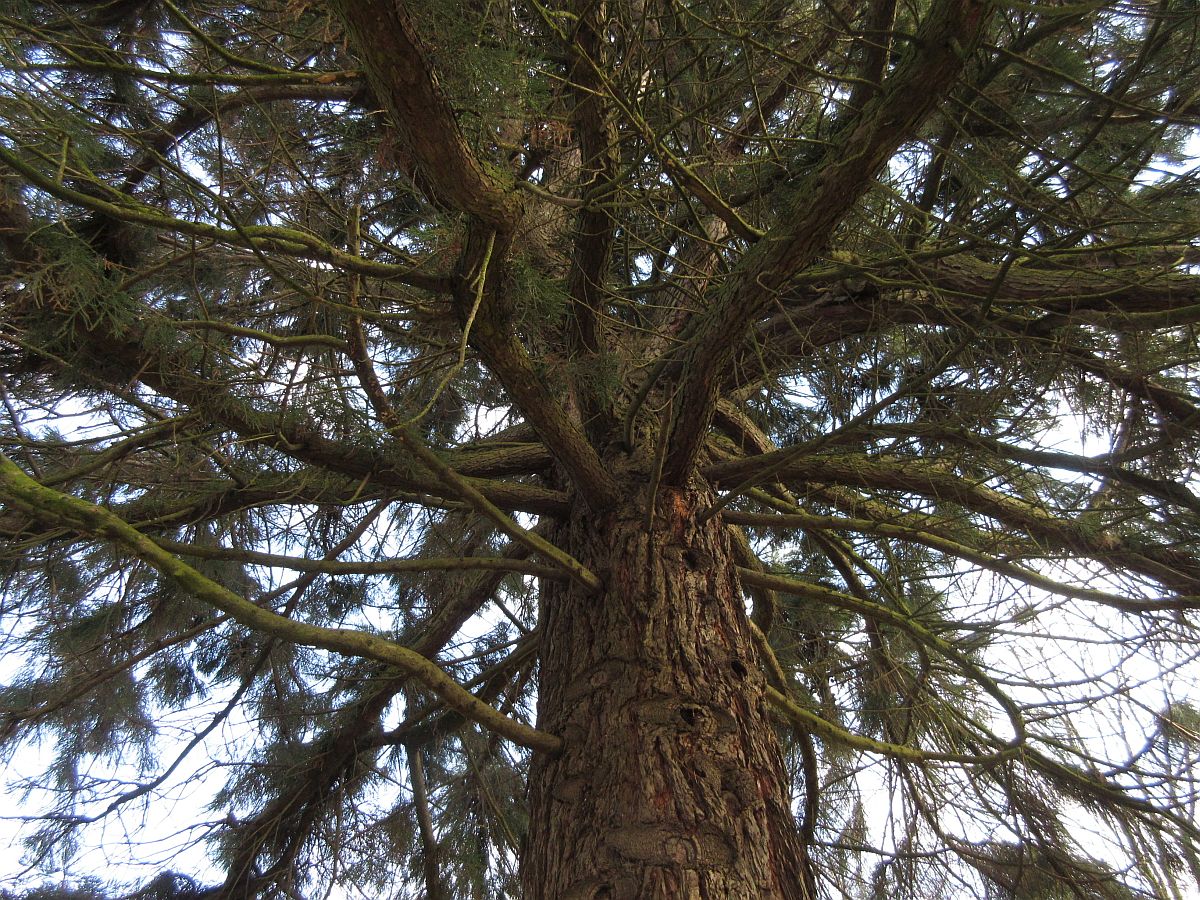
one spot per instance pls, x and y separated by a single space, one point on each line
364 567
595 227
285 241
423 724
1107 465
70 512
399 70
834 187
403 432
338 753
501 458
562 436
129 355
1170 567
1119 296
888 523
900 620
810 722
196 116
400 73
874 46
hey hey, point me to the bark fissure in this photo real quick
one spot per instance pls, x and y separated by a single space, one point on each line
671 782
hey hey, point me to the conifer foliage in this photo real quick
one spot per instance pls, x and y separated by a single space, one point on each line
601 448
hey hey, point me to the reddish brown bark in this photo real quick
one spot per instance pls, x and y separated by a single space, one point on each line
672 782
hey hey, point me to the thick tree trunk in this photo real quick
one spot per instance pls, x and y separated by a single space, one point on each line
672 782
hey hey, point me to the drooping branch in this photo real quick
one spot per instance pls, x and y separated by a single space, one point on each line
287 434
260 238
878 520
343 86
838 736
336 755
1109 466
1028 305
364 567
902 620
148 348
69 512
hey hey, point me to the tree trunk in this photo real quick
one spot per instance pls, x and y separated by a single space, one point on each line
672 783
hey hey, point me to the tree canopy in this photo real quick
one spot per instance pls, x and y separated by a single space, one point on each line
327 330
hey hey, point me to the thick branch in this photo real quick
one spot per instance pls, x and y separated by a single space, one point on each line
844 175
412 442
399 71
128 355
564 438
595 227
1118 296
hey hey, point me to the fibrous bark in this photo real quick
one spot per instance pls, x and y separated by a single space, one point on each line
671 782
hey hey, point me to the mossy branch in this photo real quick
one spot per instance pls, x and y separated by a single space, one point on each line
287 241
896 619
402 431
50 506
367 567
809 722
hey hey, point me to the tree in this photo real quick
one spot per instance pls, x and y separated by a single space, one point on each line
653 442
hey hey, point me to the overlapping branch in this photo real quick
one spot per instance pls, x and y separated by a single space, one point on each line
46 504
1173 568
846 172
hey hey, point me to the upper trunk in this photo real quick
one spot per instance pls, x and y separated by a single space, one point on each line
672 782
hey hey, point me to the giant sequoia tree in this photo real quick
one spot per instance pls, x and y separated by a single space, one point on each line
641 449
